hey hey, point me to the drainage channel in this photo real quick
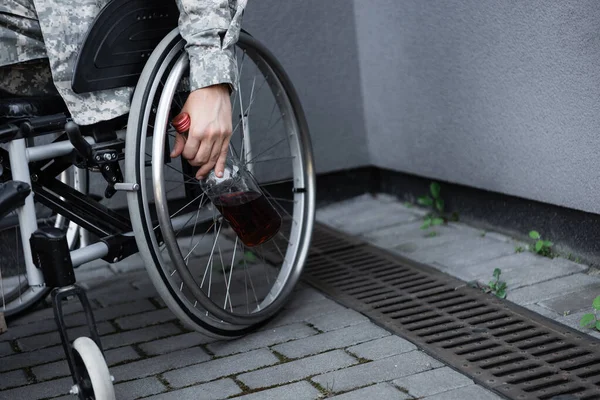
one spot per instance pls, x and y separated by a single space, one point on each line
500 345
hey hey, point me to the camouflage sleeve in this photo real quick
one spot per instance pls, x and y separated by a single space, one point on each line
211 28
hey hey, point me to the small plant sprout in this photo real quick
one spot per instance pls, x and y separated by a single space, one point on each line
590 320
431 220
496 286
541 247
434 200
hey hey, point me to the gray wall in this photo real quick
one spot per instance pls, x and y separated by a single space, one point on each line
315 41
500 95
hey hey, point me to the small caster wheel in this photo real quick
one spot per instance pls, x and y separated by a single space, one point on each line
95 382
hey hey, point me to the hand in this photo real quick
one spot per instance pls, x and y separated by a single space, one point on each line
208 138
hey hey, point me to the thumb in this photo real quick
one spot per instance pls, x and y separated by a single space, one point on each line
178 146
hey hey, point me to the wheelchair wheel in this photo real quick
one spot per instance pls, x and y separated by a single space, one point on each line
203 272
95 382
16 296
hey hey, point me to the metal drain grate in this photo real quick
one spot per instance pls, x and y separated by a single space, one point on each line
511 350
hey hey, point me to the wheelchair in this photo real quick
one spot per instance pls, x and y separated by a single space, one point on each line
206 276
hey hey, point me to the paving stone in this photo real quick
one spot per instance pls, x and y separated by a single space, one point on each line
305 295
453 256
126 296
262 339
173 343
12 379
542 311
382 348
69 307
445 378
409 238
204 246
581 283
112 312
220 367
84 274
221 389
573 302
466 392
110 287
5 349
61 368
368 220
32 358
331 340
130 264
296 391
378 391
521 269
53 338
572 320
503 238
143 283
146 319
16 332
159 364
39 390
138 388
330 322
139 335
382 370
389 198
337 211
303 312
297 370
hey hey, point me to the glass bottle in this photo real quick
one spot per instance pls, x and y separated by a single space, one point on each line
238 197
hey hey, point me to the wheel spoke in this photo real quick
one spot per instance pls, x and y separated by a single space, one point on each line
228 286
195 225
212 251
197 243
272 159
247 274
267 149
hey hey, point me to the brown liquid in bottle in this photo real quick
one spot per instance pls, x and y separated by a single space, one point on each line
250 216
249 213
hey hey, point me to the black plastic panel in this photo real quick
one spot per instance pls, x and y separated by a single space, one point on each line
120 41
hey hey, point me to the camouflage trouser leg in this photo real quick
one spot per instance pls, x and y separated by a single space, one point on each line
32 78
24 67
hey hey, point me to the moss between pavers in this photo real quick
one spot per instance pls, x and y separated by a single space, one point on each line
361 360
281 357
162 380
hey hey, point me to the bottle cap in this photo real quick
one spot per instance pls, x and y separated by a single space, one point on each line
181 122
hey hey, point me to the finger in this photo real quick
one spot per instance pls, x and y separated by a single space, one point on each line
202 159
178 145
191 148
220 168
214 156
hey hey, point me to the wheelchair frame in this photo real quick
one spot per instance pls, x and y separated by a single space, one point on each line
129 29
100 147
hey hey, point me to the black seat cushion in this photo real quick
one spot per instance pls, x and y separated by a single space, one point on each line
24 107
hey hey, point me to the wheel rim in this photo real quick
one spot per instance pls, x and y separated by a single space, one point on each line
192 290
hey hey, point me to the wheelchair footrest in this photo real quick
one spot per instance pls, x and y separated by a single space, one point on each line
12 196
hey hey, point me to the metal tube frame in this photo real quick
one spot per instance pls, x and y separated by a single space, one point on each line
20 156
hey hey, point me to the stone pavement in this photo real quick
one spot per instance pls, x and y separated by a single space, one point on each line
315 349
557 288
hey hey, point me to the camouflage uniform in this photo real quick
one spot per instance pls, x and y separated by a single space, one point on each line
35 34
